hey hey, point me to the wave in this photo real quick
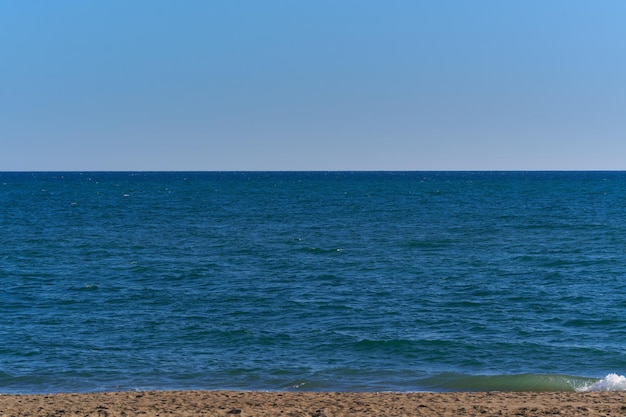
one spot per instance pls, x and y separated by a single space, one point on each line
524 382
611 382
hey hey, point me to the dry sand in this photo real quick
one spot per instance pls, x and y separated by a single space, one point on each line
240 404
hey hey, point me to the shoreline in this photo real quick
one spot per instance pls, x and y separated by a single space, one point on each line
315 404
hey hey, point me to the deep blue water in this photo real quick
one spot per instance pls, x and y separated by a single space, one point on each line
327 281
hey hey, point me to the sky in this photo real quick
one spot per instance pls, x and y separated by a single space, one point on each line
212 85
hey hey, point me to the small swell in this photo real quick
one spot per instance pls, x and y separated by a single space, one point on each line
513 383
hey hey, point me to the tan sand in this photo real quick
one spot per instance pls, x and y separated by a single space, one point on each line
292 404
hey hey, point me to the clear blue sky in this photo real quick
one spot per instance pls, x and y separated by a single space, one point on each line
312 85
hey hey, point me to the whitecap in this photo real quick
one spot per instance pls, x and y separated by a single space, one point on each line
611 382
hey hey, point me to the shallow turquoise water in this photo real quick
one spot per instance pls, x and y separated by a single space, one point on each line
361 281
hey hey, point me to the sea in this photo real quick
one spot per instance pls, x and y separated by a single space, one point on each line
312 281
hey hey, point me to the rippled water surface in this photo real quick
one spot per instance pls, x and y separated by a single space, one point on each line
312 281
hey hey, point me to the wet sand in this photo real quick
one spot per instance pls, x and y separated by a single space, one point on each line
292 404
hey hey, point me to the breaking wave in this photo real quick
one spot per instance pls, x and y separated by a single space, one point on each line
611 382
524 382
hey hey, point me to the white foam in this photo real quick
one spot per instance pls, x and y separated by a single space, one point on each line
611 382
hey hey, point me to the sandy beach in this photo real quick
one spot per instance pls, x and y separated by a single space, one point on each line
229 403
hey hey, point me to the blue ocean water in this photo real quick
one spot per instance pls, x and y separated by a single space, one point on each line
317 281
